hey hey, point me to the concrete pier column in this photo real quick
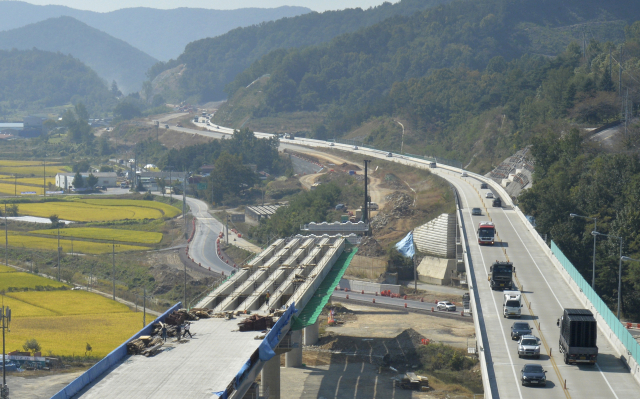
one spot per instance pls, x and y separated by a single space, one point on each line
311 333
293 358
270 378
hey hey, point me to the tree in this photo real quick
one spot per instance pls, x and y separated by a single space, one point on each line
55 221
158 100
78 181
81 166
91 181
106 168
103 146
147 89
161 184
115 90
125 111
31 346
77 123
12 210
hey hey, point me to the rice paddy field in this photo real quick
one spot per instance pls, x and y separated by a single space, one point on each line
35 170
27 180
21 280
69 246
9 189
100 210
95 233
64 321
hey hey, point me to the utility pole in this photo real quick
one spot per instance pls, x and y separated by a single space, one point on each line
620 74
5 315
170 186
6 237
184 203
227 232
113 261
44 177
144 308
365 210
58 251
610 70
15 185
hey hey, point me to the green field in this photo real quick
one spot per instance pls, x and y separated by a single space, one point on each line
69 246
95 233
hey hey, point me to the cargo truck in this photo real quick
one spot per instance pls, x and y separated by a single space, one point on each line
512 304
578 335
501 275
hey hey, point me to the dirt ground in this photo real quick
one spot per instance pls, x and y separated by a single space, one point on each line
346 361
23 386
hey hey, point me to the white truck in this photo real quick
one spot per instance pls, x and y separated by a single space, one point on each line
512 304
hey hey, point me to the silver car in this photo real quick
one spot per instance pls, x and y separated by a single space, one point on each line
446 305
489 195
529 346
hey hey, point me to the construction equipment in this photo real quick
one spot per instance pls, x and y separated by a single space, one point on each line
411 381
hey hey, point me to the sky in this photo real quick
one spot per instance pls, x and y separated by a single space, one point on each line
110 5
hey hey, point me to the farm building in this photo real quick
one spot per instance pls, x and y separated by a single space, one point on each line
65 180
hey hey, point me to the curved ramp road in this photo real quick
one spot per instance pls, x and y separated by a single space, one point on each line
543 286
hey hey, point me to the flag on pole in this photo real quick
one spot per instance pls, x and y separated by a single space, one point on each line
406 247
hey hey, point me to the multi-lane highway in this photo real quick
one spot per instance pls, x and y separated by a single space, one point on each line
547 294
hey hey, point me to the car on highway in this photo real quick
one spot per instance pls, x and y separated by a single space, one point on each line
355 147
476 212
166 126
519 328
331 144
489 195
529 346
446 305
464 174
432 165
389 155
484 186
533 374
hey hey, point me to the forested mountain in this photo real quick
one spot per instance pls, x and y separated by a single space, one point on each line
460 74
163 34
111 58
31 78
214 62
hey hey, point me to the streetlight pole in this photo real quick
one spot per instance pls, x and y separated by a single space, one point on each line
595 228
5 315
595 233
402 144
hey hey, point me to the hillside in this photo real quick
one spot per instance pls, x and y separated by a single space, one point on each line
163 34
214 62
113 59
35 78
464 77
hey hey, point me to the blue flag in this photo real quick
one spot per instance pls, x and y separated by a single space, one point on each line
405 247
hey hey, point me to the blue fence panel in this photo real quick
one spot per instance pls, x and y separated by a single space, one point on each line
630 344
108 361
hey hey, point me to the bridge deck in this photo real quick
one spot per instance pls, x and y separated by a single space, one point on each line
194 369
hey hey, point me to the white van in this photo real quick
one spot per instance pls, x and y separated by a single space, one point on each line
373 206
512 304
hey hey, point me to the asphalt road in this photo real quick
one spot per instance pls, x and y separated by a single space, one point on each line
543 286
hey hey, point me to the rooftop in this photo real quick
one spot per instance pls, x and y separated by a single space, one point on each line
197 368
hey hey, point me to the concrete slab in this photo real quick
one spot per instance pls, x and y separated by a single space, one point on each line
193 368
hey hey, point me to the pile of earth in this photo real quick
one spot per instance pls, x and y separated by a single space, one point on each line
370 247
398 206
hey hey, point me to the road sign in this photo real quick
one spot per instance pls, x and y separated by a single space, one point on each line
202 186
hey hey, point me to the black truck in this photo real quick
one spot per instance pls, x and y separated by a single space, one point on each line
578 335
501 275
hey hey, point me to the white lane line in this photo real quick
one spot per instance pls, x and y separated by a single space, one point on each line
554 294
495 305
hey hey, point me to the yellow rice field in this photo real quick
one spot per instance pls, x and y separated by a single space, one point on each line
168 211
68 246
33 170
66 303
87 212
26 280
9 189
6 269
144 237
12 162
27 180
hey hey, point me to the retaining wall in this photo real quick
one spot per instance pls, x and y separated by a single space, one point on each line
368 287
108 361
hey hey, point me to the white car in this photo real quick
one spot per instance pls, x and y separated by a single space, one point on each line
464 174
389 155
446 305
355 147
331 144
489 195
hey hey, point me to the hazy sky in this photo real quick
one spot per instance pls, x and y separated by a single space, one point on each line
110 5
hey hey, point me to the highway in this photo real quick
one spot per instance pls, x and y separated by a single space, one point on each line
544 288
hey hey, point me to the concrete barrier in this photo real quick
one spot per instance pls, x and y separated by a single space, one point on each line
108 361
367 287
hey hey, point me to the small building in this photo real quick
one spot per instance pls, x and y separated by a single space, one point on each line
259 212
65 180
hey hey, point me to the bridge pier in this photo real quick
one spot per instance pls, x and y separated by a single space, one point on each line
270 378
311 334
293 358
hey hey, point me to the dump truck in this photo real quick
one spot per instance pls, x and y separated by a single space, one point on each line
501 275
411 381
578 336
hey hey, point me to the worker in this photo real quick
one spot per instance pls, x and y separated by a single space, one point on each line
178 329
186 330
268 296
164 331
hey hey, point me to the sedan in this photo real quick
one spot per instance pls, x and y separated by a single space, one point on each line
389 155
331 144
355 147
518 329
489 195
484 186
476 212
446 305
533 374
464 174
